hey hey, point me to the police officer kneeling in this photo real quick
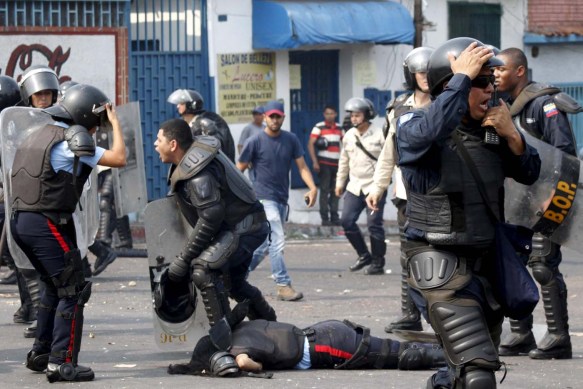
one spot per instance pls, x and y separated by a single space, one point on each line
49 170
450 243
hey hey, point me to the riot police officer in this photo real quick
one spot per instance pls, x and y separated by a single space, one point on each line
535 106
228 223
39 87
361 147
61 156
415 71
450 244
190 106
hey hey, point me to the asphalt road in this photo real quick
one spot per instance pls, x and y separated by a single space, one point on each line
119 338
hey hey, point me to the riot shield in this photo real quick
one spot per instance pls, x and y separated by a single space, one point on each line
16 124
166 233
551 205
129 182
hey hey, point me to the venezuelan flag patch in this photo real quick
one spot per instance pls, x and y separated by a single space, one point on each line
550 110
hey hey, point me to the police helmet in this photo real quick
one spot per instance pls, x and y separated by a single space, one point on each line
65 86
38 78
9 92
439 68
82 104
415 62
360 104
223 364
193 100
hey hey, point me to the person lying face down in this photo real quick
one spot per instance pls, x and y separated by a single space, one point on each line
259 345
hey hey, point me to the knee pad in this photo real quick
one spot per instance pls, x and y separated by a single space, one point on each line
542 273
465 335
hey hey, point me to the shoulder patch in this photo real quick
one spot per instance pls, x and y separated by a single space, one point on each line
550 109
405 118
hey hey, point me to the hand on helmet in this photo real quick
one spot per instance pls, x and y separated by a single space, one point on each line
471 60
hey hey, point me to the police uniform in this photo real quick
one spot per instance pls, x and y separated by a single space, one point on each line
449 222
228 223
540 116
48 175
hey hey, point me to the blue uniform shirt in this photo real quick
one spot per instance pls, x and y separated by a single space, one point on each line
421 134
62 158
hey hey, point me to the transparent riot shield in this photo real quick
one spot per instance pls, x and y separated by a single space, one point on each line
129 182
166 233
551 205
16 124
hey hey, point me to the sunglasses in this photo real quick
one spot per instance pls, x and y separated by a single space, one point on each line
482 82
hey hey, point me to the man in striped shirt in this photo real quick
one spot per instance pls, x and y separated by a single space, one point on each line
324 149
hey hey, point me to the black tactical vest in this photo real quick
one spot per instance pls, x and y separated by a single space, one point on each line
278 346
36 186
236 191
453 212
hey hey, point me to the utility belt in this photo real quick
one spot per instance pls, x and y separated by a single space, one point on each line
359 357
251 223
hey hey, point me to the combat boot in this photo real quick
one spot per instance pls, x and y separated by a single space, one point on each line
556 344
420 356
69 372
520 341
364 257
30 331
378 249
37 361
105 256
124 233
411 317
10 279
26 314
288 293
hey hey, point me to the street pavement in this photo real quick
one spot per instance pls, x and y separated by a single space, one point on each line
118 342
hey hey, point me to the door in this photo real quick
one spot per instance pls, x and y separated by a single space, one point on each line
318 84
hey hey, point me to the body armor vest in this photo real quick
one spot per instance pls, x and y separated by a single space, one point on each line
236 190
397 105
36 186
278 346
453 212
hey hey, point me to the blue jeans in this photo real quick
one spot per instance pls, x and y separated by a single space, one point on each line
275 213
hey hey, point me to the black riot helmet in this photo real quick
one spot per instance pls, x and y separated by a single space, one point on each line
415 62
82 104
192 99
38 78
65 86
439 69
222 364
9 92
360 104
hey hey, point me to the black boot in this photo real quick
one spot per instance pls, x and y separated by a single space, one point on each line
37 361
105 256
87 268
26 314
556 344
10 279
124 232
378 250
364 257
411 317
420 356
520 340
69 372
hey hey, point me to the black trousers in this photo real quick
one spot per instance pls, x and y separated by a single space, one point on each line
45 244
328 199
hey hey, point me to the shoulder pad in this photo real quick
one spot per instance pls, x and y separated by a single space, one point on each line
208 126
203 150
529 93
80 141
397 101
566 103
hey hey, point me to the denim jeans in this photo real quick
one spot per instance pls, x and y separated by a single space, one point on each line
275 213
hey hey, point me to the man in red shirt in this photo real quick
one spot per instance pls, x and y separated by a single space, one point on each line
324 149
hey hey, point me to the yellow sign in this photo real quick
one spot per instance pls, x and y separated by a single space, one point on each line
245 81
